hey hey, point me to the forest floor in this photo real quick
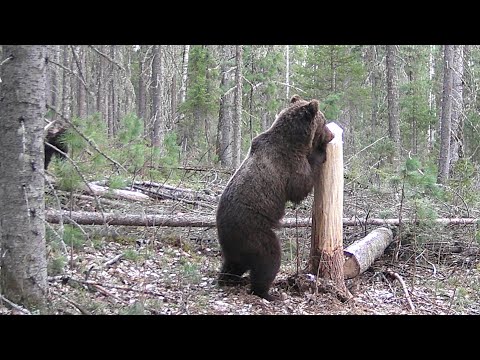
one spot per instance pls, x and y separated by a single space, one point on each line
160 270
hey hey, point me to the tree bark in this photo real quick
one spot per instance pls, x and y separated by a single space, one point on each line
81 91
375 81
66 108
157 92
431 133
237 117
101 96
456 138
445 120
326 255
23 277
362 253
95 218
142 90
287 72
224 130
111 95
392 100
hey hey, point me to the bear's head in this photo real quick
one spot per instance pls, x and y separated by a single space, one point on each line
322 136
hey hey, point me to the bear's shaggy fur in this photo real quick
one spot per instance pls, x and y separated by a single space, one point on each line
54 137
277 169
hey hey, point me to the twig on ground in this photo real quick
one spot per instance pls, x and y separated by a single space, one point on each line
80 308
404 286
113 260
15 306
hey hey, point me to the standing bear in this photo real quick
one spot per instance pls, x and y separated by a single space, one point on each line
280 167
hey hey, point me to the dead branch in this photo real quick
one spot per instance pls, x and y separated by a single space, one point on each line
79 68
163 196
15 306
10 57
404 286
113 260
105 292
80 308
194 168
182 220
115 193
106 57
74 74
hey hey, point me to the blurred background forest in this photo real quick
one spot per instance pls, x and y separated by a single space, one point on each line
155 108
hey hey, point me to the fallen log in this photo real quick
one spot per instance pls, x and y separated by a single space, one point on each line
360 255
95 218
99 190
164 191
182 220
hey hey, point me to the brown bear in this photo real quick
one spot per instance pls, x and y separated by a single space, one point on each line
278 168
54 136
322 137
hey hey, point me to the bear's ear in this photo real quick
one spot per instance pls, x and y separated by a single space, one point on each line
312 107
295 98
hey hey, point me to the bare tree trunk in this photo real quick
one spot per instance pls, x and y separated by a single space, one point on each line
111 95
81 91
142 90
412 94
469 95
375 80
287 72
237 119
224 131
183 89
101 103
445 121
456 139
157 82
66 88
392 99
173 101
23 267
431 97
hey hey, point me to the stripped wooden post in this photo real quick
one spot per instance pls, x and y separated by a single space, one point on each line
326 255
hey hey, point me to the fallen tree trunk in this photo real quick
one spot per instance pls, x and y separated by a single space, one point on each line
164 191
99 190
362 253
95 218
171 220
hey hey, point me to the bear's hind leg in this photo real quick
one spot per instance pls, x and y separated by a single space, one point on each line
265 267
231 274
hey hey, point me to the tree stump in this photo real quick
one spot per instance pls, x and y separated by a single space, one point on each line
326 255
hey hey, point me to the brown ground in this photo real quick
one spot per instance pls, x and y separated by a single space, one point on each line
172 270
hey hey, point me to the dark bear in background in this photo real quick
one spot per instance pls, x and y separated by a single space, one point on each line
278 168
54 136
